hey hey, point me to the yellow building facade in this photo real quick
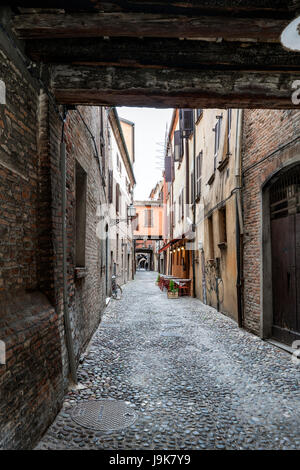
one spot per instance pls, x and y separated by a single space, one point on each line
203 198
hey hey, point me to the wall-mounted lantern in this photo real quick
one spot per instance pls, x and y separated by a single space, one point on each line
131 211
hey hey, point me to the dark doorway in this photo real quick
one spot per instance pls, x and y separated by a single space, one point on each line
285 246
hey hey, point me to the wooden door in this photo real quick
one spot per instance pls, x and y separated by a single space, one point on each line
285 243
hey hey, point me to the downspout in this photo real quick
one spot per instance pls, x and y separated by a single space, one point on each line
187 194
239 215
69 339
187 170
217 293
194 206
172 221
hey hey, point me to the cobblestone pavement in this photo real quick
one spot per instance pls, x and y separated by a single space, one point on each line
194 378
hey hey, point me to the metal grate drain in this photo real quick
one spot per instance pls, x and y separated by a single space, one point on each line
104 415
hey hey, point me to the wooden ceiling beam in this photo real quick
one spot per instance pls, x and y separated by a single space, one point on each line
248 7
30 26
231 6
171 88
164 53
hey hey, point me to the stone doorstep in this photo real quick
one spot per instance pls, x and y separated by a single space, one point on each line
282 346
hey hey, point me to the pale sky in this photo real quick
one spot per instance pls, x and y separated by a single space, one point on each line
150 128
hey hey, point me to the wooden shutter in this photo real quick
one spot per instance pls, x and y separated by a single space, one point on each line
229 119
215 147
174 214
148 218
110 186
178 146
117 197
222 225
168 169
186 121
198 175
172 168
217 131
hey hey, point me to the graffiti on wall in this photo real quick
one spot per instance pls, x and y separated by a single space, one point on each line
214 283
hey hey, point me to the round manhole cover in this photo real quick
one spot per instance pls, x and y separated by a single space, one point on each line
104 415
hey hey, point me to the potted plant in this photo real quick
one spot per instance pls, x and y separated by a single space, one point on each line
172 291
157 280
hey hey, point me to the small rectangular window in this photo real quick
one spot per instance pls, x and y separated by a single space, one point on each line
137 222
80 216
222 226
110 186
117 198
210 229
148 218
168 169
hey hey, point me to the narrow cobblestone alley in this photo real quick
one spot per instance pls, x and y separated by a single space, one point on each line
195 380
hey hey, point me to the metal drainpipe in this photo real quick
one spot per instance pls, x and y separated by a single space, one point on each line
187 198
194 206
217 293
171 227
239 216
69 339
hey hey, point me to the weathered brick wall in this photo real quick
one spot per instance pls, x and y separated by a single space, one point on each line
86 295
31 389
31 380
35 376
270 140
18 179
